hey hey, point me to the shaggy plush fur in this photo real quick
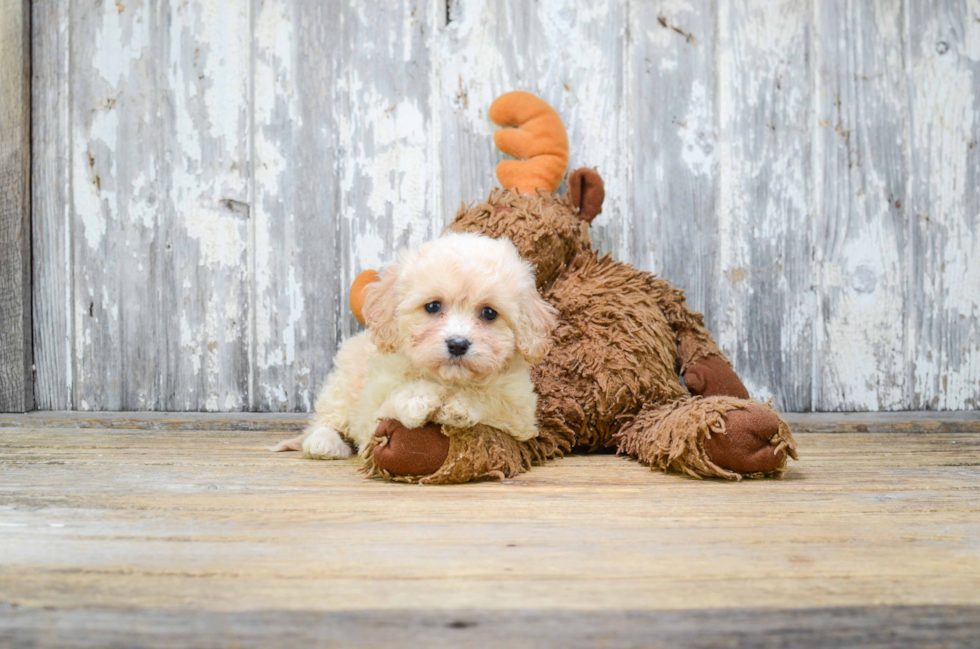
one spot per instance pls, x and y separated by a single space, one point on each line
612 378
453 330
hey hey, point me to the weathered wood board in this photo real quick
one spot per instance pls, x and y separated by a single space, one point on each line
16 347
950 627
861 245
210 176
202 525
943 247
51 221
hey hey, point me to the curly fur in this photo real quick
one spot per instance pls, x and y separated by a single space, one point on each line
611 378
402 367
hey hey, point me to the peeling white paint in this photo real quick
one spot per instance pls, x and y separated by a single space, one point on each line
120 41
697 133
944 134
219 235
795 240
89 192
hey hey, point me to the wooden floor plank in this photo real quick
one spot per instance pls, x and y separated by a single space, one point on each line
801 628
123 520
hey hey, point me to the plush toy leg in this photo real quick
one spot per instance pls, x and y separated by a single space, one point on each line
721 437
705 368
429 456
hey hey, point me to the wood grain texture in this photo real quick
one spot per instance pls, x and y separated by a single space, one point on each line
345 166
209 521
207 188
859 626
674 146
160 171
294 247
861 190
51 212
16 376
943 359
763 302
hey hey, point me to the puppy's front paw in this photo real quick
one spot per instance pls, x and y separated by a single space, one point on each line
325 444
458 413
413 410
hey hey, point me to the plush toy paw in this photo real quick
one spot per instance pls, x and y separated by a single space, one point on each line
401 451
714 377
752 443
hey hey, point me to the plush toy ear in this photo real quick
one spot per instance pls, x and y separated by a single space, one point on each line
357 296
537 321
588 191
380 303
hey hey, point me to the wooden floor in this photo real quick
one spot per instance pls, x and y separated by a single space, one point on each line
151 530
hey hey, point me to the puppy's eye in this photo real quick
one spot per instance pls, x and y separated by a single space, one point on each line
433 307
488 314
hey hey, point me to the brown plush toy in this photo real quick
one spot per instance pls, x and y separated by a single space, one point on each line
624 339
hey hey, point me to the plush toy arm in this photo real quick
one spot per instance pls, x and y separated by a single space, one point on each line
431 456
705 368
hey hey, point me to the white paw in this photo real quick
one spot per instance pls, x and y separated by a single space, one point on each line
414 410
458 413
325 444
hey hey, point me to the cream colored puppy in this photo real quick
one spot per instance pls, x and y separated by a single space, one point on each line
452 331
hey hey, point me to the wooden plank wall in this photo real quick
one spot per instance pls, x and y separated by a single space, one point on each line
209 176
16 377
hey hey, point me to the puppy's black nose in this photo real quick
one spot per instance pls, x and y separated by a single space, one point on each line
457 346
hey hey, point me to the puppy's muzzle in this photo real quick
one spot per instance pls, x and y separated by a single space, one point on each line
457 346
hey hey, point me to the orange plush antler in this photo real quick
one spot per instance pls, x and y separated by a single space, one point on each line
538 139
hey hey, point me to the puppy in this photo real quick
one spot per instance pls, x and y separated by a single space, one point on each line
453 329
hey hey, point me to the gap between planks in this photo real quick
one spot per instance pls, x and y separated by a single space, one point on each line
857 422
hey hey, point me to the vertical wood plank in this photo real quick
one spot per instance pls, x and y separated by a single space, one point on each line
345 162
944 254
295 250
860 188
763 309
673 140
390 194
208 69
51 221
159 195
16 375
109 75
573 55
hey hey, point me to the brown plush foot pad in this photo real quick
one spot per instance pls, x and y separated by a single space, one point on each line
713 377
745 447
410 451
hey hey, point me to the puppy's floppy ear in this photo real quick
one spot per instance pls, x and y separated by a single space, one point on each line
380 303
537 321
